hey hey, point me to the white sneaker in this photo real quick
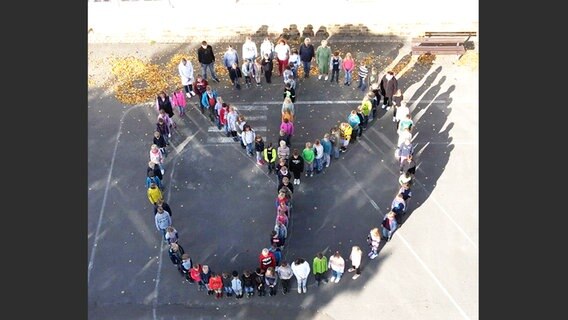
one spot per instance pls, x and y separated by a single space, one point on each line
298 181
337 280
319 77
326 77
332 279
384 106
162 171
188 95
388 108
393 119
300 290
192 93
373 256
355 276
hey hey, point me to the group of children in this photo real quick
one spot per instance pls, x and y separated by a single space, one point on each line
287 165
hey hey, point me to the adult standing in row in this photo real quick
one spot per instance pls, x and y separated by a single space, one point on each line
249 50
230 57
163 102
185 69
206 58
389 85
323 57
267 48
282 50
307 54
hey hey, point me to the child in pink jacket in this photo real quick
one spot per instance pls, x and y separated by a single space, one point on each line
178 100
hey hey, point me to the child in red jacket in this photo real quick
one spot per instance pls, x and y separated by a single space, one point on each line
195 274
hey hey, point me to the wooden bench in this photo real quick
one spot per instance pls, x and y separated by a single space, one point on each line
441 42
433 49
450 34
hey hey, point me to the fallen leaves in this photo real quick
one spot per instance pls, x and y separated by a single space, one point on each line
138 81
402 64
470 59
426 59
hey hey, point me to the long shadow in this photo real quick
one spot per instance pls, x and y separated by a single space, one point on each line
223 205
432 142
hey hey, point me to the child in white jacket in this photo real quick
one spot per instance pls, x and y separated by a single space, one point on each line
301 269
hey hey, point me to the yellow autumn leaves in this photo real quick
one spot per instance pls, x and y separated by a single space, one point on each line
136 81
426 58
469 59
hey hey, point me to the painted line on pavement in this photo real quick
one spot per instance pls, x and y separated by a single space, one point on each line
256 118
214 129
462 231
160 259
263 103
224 140
182 145
105 195
374 204
255 107
398 234
432 275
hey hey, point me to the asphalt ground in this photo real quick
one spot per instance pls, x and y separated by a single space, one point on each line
223 203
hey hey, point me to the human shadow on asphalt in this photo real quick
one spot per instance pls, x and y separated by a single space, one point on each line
330 214
433 143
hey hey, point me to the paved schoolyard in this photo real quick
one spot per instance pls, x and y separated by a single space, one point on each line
223 202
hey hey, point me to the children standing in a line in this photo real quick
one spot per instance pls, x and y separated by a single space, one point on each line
348 65
355 257
296 165
236 285
289 92
374 239
259 148
235 74
216 285
363 73
270 157
319 268
178 100
195 274
337 265
285 274
271 281
226 278
257 71
267 67
246 69
248 283
309 157
162 220
335 64
205 277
